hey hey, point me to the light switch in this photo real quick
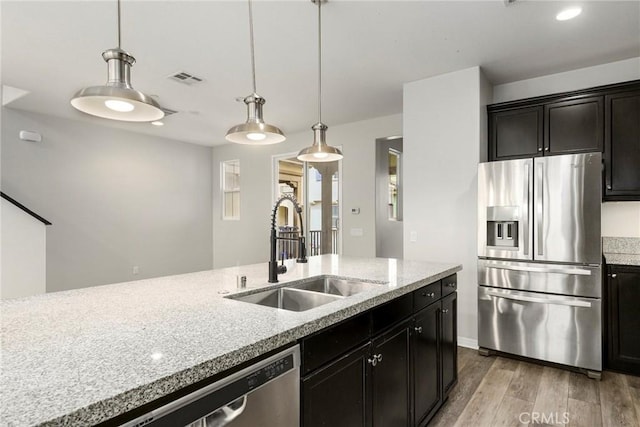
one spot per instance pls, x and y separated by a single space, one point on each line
413 236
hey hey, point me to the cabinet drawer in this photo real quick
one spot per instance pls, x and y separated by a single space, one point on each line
392 312
330 343
426 295
449 284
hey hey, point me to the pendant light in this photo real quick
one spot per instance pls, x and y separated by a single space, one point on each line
117 99
254 131
320 151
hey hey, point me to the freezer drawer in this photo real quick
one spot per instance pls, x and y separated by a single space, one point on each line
557 329
575 280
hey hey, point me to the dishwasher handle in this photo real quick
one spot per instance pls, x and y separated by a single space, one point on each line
227 413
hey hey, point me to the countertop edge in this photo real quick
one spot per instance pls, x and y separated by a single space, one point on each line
120 404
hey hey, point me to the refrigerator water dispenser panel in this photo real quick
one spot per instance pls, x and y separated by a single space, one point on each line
502 226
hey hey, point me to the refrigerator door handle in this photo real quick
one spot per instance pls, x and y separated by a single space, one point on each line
560 270
525 219
539 206
571 303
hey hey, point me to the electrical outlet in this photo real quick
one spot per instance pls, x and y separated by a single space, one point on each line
136 269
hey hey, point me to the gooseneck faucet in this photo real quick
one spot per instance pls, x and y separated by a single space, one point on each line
274 268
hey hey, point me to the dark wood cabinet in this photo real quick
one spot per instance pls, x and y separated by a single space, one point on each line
399 376
574 126
337 395
516 133
623 293
622 146
602 119
391 377
449 341
427 360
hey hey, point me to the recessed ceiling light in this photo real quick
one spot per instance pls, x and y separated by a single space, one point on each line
569 13
157 123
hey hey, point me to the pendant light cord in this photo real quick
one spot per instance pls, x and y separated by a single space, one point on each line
119 32
253 55
319 61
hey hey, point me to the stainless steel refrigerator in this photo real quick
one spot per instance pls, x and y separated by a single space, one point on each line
539 259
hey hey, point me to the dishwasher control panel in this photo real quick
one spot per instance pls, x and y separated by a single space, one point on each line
269 372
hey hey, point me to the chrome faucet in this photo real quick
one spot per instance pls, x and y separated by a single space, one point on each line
274 268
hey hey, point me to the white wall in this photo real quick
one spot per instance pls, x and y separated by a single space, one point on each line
23 253
247 240
444 130
116 199
620 219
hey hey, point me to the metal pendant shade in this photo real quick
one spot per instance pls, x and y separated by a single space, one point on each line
254 131
320 151
117 99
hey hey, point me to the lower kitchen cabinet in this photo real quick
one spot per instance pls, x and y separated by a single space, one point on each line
449 341
336 395
391 377
623 293
426 346
399 376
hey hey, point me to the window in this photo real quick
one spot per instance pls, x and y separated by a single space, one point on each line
230 189
394 183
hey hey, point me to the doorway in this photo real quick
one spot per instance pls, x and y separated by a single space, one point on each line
317 187
389 225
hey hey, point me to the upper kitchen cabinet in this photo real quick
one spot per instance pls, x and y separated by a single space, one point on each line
574 126
516 133
622 146
532 128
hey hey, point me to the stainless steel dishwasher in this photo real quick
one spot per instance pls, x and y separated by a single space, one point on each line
265 394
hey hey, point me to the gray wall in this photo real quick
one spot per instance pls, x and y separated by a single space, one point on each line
116 199
247 240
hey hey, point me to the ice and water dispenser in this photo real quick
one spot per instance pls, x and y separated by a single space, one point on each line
502 226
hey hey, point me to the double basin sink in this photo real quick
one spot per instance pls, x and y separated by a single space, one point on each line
308 293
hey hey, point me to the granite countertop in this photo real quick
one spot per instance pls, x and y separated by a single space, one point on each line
84 356
621 250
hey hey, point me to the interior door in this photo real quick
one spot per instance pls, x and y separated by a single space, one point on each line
389 226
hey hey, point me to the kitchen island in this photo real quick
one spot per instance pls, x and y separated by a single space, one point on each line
85 356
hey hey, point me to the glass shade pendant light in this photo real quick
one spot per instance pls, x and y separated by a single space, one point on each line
254 131
117 99
320 151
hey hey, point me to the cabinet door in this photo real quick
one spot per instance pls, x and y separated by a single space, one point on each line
426 363
575 126
337 395
390 376
449 342
515 133
624 319
622 146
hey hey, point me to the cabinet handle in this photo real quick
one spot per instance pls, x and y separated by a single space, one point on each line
373 361
445 310
608 187
539 148
430 294
546 148
614 275
379 358
418 329
451 285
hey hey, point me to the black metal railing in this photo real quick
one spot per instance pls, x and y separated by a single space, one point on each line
288 249
315 241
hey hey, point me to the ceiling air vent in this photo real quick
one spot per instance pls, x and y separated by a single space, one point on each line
508 2
186 78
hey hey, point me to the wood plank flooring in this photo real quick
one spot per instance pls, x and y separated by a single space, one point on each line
498 391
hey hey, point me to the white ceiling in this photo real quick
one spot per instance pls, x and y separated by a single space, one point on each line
52 49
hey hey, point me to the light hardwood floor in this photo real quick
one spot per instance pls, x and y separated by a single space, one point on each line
496 391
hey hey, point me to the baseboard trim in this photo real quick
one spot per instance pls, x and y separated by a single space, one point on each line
468 343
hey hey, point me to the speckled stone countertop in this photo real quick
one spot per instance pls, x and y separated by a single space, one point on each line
84 356
621 250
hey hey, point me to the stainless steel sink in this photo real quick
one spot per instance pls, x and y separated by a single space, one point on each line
335 286
289 299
